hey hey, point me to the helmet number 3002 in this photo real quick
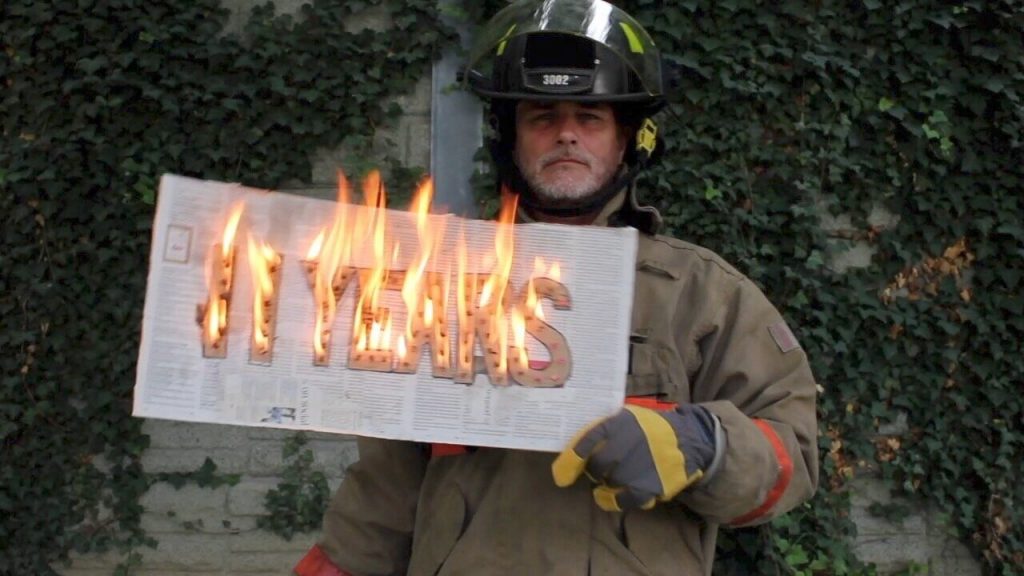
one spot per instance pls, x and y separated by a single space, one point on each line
556 80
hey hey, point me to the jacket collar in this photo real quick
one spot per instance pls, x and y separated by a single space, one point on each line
621 210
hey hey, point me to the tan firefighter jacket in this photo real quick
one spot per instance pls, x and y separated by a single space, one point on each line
701 332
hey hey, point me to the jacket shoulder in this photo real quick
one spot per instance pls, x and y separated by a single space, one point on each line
678 258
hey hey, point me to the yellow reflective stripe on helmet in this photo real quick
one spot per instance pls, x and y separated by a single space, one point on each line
647 136
635 45
504 39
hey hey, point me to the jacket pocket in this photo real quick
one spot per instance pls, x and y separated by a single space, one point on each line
655 369
666 540
439 526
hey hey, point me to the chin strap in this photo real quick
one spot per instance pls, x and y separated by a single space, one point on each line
646 219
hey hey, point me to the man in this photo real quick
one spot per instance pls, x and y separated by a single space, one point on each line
719 426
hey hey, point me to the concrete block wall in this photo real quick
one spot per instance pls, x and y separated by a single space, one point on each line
922 540
213 531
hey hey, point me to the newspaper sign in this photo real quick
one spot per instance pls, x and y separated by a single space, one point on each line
180 377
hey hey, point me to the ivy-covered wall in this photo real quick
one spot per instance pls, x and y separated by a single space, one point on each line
910 108
790 110
99 98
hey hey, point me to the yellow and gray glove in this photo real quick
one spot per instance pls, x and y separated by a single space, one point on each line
641 456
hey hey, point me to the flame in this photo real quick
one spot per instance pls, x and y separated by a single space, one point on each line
319 347
271 256
441 351
344 189
424 288
400 348
428 312
371 337
414 293
213 319
532 302
503 249
485 294
461 303
219 277
373 190
375 331
420 205
221 312
314 249
519 337
412 287
327 257
540 269
230 228
496 284
263 261
337 246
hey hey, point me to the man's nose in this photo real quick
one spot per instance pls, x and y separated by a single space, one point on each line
568 132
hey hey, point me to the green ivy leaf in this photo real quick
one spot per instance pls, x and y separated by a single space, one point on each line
710 192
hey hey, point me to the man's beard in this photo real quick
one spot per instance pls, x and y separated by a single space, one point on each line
567 185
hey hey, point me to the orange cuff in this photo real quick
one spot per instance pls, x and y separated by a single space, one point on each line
316 563
785 475
651 402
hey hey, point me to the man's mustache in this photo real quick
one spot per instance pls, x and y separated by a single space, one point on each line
563 154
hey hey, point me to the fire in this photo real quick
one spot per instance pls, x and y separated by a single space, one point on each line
492 297
264 263
540 270
324 316
220 277
314 249
412 287
418 286
372 325
538 266
532 302
229 230
428 312
326 266
400 347
465 290
488 309
213 320
519 338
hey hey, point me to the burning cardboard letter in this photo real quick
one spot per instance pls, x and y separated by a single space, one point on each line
213 315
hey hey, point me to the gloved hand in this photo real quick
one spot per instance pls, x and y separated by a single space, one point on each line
640 456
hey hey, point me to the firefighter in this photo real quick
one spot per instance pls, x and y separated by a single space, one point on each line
719 427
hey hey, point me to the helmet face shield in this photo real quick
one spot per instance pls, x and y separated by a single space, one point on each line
585 50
